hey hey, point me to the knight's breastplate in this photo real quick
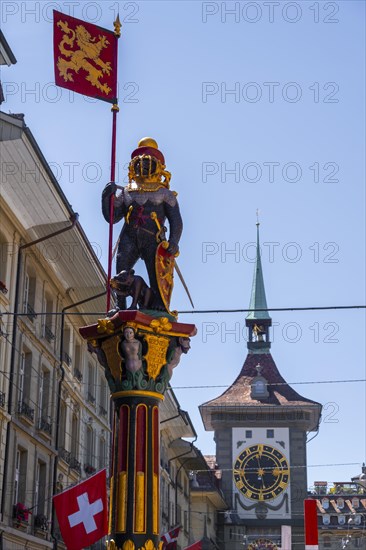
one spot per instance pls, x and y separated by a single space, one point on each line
139 215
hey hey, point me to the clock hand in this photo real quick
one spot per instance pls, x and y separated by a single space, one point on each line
260 473
259 467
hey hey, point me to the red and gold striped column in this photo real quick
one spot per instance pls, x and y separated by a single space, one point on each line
135 481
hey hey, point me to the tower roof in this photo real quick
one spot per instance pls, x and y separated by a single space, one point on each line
239 396
260 394
258 296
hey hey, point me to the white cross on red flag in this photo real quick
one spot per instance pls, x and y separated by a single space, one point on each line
170 538
82 512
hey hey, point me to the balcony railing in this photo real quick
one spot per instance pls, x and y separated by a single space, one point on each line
89 469
41 522
102 411
75 465
48 334
20 516
65 455
66 357
70 460
90 398
31 314
25 410
78 375
2 399
45 426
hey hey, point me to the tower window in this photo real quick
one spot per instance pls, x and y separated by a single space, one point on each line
259 388
248 434
270 434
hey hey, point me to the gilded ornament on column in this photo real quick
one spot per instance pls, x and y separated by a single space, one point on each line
122 499
111 350
156 354
128 545
105 326
149 545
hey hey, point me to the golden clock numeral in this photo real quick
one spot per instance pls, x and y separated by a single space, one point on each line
283 485
260 449
240 484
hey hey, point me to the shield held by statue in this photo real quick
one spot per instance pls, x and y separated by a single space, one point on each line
164 265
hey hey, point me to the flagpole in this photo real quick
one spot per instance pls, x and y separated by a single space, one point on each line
115 109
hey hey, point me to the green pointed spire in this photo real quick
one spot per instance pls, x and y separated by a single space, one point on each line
258 296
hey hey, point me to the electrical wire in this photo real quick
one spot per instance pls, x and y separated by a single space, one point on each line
199 311
292 467
218 386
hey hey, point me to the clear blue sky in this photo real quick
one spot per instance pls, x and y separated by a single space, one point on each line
292 132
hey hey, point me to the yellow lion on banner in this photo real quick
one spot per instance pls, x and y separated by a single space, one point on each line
88 49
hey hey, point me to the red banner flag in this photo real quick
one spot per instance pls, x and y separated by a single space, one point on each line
82 512
311 524
85 57
194 546
170 538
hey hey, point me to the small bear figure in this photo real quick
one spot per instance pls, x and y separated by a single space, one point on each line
126 283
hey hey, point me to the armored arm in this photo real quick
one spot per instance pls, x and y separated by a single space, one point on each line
175 222
120 208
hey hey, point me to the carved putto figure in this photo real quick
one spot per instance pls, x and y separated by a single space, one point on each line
131 349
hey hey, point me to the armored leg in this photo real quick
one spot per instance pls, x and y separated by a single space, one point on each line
127 256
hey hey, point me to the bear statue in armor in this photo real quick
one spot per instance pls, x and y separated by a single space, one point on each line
145 204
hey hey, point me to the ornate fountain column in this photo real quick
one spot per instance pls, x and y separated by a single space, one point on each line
138 353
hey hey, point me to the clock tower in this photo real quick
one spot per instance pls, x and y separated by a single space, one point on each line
261 426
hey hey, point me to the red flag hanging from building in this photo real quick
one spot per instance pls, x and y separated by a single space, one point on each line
311 524
82 512
85 57
170 538
194 546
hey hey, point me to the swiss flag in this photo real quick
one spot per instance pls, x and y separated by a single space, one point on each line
170 538
82 512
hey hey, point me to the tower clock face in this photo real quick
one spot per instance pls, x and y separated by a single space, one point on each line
261 472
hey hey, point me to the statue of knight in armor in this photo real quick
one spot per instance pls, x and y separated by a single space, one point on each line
145 204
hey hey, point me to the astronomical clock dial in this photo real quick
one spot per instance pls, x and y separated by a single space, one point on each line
261 472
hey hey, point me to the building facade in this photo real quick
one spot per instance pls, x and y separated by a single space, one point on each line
341 510
260 426
54 405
